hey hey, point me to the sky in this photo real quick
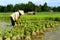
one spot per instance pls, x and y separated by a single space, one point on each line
36 2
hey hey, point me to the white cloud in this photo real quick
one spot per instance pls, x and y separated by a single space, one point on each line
37 2
53 2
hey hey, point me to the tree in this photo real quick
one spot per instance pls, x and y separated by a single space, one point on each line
10 8
5 9
22 6
38 8
54 9
58 8
45 7
2 8
16 7
30 6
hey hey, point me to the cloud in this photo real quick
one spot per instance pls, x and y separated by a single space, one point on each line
5 2
53 2
37 2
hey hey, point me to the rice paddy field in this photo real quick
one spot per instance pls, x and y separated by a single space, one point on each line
31 27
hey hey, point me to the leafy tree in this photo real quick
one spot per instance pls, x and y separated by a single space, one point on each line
54 9
5 9
58 8
16 7
45 7
9 8
38 8
2 8
30 6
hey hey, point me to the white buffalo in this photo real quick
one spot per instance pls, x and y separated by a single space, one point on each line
31 13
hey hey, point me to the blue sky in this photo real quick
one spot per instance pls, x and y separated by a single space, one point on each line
37 2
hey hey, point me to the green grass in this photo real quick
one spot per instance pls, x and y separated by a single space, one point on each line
38 14
30 25
42 15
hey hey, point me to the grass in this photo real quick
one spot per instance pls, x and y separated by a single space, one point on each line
39 15
42 15
30 26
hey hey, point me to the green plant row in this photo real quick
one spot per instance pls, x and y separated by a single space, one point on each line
28 30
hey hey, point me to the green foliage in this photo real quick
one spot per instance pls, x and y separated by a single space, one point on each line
45 7
30 6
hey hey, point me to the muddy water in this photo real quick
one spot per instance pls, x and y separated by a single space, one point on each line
4 25
51 35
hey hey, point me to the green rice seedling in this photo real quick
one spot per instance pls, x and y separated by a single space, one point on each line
41 29
44 28
37 29
7 34
27 33
48 26
52 24
27 37
18 34
1 34
21 33
33 31
14 34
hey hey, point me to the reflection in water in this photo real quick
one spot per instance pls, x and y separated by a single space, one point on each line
52 35
4 25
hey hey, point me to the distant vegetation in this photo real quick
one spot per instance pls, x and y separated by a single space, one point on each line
55 16
28 7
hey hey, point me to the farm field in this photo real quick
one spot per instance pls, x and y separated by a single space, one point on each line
39 15
30 27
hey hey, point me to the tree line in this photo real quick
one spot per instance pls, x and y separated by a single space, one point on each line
28 7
